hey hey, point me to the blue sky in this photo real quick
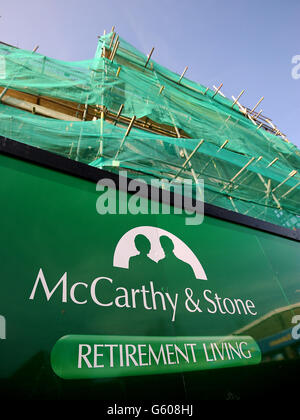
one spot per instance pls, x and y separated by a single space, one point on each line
244 45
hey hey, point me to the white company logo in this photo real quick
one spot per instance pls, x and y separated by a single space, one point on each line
151 245
158 239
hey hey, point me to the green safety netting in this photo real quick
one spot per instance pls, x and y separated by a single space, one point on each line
257 191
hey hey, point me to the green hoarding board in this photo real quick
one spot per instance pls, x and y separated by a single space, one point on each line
122 305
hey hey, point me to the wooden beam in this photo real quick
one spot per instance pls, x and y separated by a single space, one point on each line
37 109
236 100
291 174
242 170
183 73
125 135
189 158
149 56
217 91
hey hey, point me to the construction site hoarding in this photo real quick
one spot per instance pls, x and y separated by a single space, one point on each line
91 304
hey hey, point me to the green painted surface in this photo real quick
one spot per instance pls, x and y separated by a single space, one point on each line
50 230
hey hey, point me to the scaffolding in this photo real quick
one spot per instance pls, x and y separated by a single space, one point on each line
122 110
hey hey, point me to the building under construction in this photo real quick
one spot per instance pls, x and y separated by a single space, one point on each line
123 110
65 124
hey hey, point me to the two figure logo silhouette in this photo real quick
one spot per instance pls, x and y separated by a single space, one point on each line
170 262
154 250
